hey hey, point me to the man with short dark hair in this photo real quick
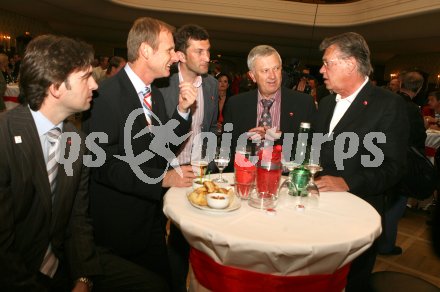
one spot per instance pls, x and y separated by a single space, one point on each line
193 52
362 109
46 238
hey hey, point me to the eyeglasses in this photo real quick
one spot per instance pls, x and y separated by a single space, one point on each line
329 62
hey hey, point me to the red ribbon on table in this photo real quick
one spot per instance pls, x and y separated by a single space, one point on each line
217 277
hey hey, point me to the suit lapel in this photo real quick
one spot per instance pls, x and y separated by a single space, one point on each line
23 126
208 105
355 110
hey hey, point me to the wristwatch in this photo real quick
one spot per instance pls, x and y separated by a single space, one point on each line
86 281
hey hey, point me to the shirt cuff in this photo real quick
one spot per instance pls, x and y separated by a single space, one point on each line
183 115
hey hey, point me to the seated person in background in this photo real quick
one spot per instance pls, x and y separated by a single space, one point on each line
99 71
46 237
2 92
411 84
394 85
114 65
433 122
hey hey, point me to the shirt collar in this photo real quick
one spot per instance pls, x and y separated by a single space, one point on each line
352 97
43 124
276 97
197 81
138 84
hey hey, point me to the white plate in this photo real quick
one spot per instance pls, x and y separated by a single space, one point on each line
234 205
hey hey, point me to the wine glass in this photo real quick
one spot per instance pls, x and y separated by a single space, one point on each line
199 160
221 159
288 166
312 190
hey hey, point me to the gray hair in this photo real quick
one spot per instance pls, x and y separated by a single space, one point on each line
260 51
412 81
351 44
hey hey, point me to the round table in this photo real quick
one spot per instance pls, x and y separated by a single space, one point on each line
316 241
11 95
432 143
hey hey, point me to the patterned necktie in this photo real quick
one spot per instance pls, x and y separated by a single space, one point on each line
50 262
52 165
266 118
146 93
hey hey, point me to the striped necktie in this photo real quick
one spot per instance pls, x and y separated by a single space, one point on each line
52 165
146 93
50 262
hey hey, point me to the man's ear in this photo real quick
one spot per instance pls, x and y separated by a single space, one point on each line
55 91
251 74
145 50
181 56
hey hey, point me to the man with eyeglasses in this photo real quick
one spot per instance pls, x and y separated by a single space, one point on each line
363 109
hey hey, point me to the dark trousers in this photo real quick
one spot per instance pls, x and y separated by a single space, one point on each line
118 275
358 279
154 257
178 251
390 222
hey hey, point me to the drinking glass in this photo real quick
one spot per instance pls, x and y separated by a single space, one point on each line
244 182
288 166
199 160
312 190
221 159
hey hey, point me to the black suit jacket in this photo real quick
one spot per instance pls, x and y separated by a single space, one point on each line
373 110
27 222
241 111
123 207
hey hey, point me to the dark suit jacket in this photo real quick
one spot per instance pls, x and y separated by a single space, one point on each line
374 110
27 222
241 111
169 87
123 207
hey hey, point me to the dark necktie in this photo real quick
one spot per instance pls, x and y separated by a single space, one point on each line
266 118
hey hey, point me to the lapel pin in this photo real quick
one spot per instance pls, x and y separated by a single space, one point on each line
291 114
17 139
365 102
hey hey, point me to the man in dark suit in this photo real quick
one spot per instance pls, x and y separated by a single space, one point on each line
46 239
288 109
193 51
127 191
362 110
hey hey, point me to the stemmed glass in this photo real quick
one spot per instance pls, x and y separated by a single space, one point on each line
312 188
288 166
222 158
199 160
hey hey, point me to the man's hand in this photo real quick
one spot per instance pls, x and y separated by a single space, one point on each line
328 183
81 287
173 179
187 96
257 134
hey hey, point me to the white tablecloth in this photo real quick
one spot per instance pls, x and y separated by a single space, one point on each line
432 141
315 241
11 95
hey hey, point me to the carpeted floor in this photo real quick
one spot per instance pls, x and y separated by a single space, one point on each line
418 258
